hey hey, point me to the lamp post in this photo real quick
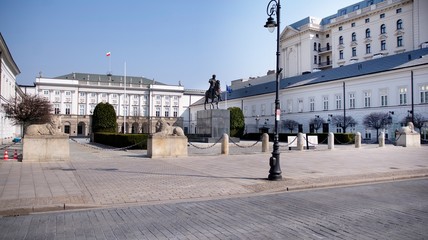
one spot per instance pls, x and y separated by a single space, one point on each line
273 8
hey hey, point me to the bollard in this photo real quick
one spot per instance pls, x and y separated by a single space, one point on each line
382 139
300 142
265 142
330 141
358 140
225 144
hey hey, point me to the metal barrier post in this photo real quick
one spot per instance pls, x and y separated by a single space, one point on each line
300 141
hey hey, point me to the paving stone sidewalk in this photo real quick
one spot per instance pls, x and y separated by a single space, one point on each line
99 177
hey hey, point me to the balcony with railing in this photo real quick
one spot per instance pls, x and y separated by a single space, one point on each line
326 64
324 50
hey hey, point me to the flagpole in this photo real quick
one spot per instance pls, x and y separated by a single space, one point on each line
126 105
226 96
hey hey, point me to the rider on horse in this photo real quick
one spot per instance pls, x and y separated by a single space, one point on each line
212 90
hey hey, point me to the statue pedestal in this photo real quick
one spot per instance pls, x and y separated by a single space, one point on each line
409 140
46 148
212 124
166 146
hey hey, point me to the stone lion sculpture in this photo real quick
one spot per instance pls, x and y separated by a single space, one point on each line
52 128
164 129
410 128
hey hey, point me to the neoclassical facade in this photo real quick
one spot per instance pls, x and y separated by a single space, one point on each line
395 85
8 90
139 102
365 30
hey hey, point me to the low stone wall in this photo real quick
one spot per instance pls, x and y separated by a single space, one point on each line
170 146
46 148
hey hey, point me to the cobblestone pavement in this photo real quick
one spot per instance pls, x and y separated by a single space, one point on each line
100 177
393 210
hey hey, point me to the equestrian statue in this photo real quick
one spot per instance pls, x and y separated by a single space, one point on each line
213 92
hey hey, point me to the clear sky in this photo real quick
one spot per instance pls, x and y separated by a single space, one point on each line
169 41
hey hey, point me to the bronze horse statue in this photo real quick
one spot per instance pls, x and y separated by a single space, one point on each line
214 95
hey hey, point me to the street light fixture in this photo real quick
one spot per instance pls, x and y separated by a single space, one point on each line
273 9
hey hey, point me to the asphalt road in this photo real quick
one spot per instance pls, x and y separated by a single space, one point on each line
393 210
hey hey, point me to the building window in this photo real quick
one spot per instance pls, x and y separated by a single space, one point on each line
157 112
167 112
327 35
175 112
341 40
356 7
403 96
382 29
311 104
354 51
399 24
67 93
398 10
289 105
368 134
352 100
424 94
253 110
383 97
340 28
315 46
354 36
300 105
399 41
325 103
367 98
81 109
342 12
369 3
263 109
135 111
368 33
315 59
56 109
367 20
341 54
353 24
382 15
383 45
368 48
67 109
338 102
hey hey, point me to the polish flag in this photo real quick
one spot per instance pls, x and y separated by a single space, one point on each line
108 54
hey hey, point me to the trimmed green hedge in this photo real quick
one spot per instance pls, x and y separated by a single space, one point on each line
119 140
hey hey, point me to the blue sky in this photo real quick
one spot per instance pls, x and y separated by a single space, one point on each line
169 41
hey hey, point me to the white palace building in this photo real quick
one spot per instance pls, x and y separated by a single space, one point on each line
139 102
371 56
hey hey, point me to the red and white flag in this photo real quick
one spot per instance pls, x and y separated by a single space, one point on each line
108 54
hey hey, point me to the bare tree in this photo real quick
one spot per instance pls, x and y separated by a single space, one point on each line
419 121
377 120
317 122
27 110
338 120
290 124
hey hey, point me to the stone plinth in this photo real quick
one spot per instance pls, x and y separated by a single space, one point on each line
213 123
46 148
166 146
409 140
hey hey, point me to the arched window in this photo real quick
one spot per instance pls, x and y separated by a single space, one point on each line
368 33
340 40
382 29
354 36
315 46
399 24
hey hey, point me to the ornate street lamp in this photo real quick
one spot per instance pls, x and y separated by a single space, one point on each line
273 9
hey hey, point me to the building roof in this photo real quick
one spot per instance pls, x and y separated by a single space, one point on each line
379 65
5 53
108 78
